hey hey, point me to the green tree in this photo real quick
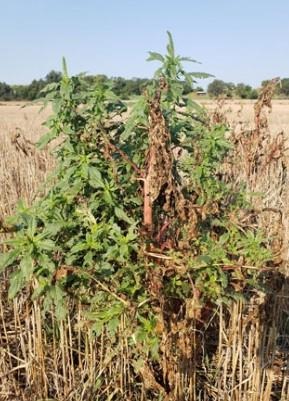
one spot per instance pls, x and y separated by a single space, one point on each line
284 87
100 79
20 92
125 88
34 89
53 76
265 82
230 89
120 87
217 88
6 92
246 91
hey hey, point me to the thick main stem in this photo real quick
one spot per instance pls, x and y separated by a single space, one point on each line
148 211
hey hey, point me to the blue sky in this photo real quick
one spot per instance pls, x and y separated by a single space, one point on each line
236 40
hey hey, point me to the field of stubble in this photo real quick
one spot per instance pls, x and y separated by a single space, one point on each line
21 174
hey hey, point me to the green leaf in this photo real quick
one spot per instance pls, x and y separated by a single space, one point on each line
153 56
78 247
45 264
113 325
207 260
189 59
170 46
53 228
45 139
200 75
60 311
27 267
64 68
97 327
17 282
47 245
42 285
6 259
95 178
58 297
49 88
120 213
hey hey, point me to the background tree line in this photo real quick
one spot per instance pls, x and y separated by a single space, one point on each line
221 88
127 88
124 88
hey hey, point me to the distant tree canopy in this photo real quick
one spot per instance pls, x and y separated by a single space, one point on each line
122 87
6 92
53 76
33 90
284 87
282 90
229 89
246 91
221 88
126 88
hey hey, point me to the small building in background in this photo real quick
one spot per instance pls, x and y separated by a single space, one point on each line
201 93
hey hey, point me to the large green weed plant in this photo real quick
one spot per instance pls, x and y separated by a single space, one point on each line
86 240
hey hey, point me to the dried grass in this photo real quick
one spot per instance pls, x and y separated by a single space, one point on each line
21 173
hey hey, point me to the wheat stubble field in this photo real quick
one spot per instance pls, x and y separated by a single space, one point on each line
242 112
20 173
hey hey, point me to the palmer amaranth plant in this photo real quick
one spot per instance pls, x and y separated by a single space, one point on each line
128 277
